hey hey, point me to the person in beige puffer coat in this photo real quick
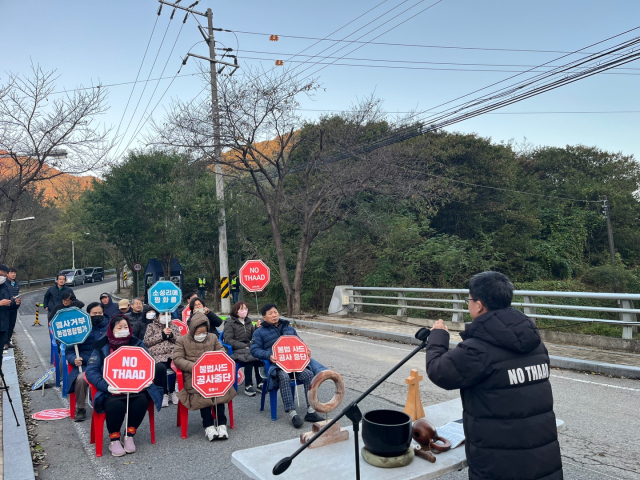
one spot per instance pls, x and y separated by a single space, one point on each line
189 348
160 340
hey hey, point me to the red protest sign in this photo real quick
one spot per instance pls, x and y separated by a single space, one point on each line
184 329
129 369
213 374
292 354
255 275
53 414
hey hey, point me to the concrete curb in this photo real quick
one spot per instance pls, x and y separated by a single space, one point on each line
17 454
559 362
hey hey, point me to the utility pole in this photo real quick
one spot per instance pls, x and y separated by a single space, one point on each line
607 215
225 304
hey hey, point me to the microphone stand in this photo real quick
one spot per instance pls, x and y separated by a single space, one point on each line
353 413
6 389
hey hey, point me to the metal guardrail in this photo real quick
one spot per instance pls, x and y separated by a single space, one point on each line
42 281
626 311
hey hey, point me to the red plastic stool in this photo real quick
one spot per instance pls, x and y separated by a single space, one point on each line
98 419
182 420
72 398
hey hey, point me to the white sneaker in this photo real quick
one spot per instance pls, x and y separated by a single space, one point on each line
165 400
222 432
174 398
212 432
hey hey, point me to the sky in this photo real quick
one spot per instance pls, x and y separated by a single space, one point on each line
91 42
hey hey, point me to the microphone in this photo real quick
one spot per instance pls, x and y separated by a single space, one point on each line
422 334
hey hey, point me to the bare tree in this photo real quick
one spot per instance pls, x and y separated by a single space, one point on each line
274 155
44 135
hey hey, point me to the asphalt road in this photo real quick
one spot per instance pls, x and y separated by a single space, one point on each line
599 440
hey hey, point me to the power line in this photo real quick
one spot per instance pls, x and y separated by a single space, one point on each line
145 86
321 39
418 172
277 54
491 113
138 75
502 97
401 67
357 30
158 84
385 32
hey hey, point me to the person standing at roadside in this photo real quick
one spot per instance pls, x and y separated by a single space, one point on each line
235 287
7 305
53 296
502 370
14 290
202 286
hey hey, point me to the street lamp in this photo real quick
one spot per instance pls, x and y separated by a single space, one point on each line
11 221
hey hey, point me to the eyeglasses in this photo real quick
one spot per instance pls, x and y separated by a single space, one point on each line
467 300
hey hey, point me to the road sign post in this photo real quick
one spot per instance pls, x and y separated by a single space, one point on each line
71 326
292 355
255 276
137 267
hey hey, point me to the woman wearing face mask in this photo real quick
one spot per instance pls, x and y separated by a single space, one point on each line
189 348
161 340
198 304
109 399
238 330
77 383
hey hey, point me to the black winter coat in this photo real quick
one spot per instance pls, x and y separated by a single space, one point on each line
139 323
502 371
53 297
57 308
6 311
238 335
14 289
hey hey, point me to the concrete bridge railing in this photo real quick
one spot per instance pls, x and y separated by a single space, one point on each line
349 299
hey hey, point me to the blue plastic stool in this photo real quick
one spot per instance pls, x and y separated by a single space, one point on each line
55 356
65 370
230 352
273 394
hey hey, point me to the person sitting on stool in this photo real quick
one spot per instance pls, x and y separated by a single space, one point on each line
189 348
77 384
109 400
273 327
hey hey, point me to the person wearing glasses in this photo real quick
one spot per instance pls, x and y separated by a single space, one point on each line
502 370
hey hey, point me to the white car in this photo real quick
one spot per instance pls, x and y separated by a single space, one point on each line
74 277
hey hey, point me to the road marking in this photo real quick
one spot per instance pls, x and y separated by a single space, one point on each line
591 470
595 383
358 341
101 469
407 350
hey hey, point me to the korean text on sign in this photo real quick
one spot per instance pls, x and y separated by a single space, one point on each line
71 327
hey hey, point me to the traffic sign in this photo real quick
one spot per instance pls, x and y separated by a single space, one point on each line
137 267
292 354
53 414
164 296
213 374
184 328
255 275
129 369
71 326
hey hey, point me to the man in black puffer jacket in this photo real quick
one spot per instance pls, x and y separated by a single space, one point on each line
502 371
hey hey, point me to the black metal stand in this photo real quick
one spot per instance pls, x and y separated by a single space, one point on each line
6 389
353 413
